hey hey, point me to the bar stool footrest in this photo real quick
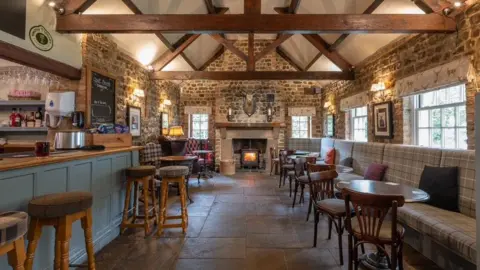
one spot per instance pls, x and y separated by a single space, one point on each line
179 225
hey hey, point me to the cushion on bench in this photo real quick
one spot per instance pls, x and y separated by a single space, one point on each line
299 144
451 229
406 163
327 144
465 161
343 152
365 154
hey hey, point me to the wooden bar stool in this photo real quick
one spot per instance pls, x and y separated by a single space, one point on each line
13 226
140 175
173 174
60 210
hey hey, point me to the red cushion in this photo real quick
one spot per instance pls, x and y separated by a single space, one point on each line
375 171
330 157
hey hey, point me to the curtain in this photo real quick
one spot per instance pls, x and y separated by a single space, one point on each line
355 101
455 72
302 111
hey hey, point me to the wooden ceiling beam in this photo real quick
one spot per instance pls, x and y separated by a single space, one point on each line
321 45
252 6
168 56
251 75
369 10
264 23
287 58
313 61
76 6
272 46
293 7
251 52
217 53
423 6
210 6
229 45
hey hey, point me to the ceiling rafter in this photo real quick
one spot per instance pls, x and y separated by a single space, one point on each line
423 6
289 59
272 46
159 35
230 46
77 6
217 53
252 6
294 4
210 6
369 10
251 75
310 64
251 52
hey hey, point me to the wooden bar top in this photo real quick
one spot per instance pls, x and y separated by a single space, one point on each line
25 162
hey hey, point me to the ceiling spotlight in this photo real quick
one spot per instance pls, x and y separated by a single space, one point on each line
447 11
458 4
150 67
58 10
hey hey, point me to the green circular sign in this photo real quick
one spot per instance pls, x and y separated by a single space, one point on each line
41 38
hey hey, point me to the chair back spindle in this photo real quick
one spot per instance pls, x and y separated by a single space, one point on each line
320 178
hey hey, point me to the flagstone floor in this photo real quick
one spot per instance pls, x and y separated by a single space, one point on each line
240 222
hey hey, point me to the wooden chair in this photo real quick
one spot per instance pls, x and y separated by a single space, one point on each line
285 165
302 180
13 227
370 225
321 192
274 159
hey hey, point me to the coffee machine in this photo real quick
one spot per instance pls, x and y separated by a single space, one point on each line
57 106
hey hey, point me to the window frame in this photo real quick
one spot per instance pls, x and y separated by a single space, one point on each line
353 116
309 127
417 109
191 129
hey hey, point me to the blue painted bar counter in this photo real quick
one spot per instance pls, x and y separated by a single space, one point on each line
99 172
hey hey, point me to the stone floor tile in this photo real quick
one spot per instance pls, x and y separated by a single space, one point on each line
307 259
269 225
255 240
210 264
213 248
261 259
228 208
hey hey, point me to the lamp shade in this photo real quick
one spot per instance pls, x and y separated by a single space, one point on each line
176 131
167 102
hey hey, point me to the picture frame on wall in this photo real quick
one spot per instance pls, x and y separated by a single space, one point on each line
134 120
164 124
383 120
330 125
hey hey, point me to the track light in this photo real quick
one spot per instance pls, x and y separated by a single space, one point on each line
447 11
59 10
458 4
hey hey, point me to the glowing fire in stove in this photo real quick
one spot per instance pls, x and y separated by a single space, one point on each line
250 157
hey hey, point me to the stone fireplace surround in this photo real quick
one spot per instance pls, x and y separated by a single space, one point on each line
226 132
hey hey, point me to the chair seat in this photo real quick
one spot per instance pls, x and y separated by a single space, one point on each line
275 160
303 179
291 173
288 166
335 207
141 171
13 225
173 171
385 231
60 204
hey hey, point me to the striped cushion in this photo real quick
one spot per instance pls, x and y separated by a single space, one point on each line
151 153
60 204
365 154
13 225
173 171
451 229
141 171
406 163
465 161
299 144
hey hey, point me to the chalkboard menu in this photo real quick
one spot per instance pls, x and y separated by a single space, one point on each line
13 17
100 98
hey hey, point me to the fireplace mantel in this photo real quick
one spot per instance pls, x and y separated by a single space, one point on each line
275 127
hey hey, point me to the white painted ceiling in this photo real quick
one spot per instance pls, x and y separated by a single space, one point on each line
147 47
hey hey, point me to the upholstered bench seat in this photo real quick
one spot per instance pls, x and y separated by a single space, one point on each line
454 230
13 225
60 204
141 171
349 177
173 171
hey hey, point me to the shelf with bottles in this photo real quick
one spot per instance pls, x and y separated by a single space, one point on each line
23 129
25 103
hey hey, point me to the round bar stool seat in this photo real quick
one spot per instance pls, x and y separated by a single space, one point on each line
60 210
173 174
60 204
144 175
13 226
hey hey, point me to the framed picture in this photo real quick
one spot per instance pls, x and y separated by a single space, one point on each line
383 120
134 120
330 125
164 123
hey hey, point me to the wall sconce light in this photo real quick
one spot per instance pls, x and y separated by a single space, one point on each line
270 113
327 104
230 114
165 102
59 10
380 86
137 94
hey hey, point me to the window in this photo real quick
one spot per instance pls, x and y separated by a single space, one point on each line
359 124
199 126
300 127
441 118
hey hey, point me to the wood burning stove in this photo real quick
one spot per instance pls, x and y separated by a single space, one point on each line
250 158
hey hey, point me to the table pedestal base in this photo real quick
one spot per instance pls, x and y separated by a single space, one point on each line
374 261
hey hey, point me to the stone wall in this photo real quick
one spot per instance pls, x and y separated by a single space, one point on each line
407 56
219 95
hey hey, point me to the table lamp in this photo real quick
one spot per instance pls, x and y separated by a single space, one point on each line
176 131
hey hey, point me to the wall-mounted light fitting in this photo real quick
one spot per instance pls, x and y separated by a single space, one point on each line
167 102
270 112
139 93
59 10
327 104
230 114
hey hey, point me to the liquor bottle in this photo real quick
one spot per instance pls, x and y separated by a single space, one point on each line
18 118
24 119
38 117
11 119
31 120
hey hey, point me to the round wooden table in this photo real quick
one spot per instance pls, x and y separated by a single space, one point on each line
180 161
410 194
378 260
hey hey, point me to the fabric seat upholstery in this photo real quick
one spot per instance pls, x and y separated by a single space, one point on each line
60 204
385 233
334 206
13 225
141 171
173 171
288 166
451 229
347 177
